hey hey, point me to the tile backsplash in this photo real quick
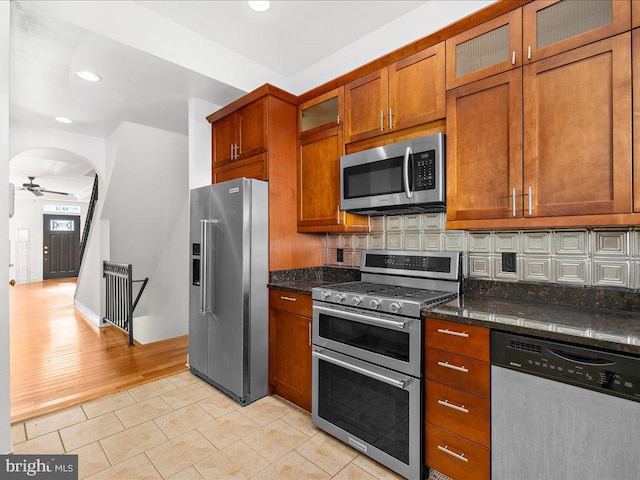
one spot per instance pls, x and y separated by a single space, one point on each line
603 257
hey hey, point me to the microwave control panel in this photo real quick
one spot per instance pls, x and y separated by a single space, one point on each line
424 173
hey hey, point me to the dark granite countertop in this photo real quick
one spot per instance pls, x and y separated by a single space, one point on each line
617 330
299 286
302 280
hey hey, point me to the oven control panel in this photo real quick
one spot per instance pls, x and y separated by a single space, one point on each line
591 368
432 265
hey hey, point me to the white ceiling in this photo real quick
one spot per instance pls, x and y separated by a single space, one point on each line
292 35
143 88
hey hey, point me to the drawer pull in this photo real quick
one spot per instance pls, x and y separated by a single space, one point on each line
446 331
445 449
288 299
462 369
446 403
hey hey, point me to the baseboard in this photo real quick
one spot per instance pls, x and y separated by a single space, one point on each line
89 314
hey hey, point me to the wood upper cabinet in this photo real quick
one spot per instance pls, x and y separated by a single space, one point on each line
407 93
224 134
577 124
366 106
484 148
492 47
319 186
290 346
240 134
636 115
264 121
555 26
575 166
635 14
321 113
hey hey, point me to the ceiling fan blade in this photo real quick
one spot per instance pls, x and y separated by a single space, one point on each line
52 191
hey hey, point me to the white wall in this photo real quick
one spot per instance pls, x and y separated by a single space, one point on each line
419 23
146 205
28 214
5 398
200 142
26 136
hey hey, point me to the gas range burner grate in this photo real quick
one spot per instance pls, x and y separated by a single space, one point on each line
387 291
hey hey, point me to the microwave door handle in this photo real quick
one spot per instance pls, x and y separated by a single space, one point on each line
405 167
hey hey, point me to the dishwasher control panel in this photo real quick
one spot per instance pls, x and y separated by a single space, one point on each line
592 368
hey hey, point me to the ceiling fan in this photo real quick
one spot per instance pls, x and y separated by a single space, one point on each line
37 190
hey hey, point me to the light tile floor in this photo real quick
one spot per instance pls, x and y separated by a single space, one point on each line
181 428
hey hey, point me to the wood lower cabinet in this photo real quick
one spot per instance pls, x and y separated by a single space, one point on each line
407 93
290 316
456 456
457 399
319 186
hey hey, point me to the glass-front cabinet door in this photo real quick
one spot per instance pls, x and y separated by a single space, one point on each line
490 48
555 26
320 113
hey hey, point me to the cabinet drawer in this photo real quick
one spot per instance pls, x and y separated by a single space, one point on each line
468 340
456 457
458 371
459 412
297 303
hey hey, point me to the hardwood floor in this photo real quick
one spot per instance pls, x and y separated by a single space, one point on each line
60 359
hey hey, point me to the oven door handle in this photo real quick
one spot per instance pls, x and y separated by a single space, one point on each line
367 373
361 318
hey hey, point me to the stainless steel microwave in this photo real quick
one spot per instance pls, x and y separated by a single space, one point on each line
404 177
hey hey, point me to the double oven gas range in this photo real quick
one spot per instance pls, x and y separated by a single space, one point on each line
367 353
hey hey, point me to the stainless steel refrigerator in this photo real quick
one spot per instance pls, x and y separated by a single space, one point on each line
228 303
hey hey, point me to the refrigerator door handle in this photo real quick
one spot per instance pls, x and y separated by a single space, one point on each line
206 303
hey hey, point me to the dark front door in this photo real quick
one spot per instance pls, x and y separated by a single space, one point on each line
61 246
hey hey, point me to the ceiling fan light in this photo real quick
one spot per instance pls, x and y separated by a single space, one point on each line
64 120
259 6
88 76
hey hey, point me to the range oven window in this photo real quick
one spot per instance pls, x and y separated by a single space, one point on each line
390 343
367 408
376 178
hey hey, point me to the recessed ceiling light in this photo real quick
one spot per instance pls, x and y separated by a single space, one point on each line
64 120
88 76
259 6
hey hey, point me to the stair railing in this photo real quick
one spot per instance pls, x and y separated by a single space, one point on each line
89 219
120 304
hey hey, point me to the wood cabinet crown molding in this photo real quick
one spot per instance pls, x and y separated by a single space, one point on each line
488 13
266 89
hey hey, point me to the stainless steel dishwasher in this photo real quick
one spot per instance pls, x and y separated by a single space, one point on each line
563 412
